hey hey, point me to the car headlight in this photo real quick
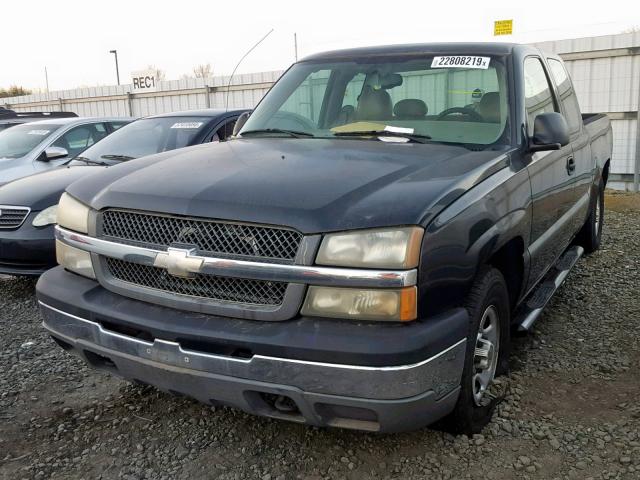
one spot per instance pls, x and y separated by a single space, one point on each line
46 217
376 248
72 214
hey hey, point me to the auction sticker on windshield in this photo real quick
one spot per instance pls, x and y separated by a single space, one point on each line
187 125
460 61
38 132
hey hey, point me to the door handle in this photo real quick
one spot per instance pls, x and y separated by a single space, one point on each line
571 165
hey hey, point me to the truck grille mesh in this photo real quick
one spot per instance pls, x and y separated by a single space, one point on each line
209 237
226 289
12 217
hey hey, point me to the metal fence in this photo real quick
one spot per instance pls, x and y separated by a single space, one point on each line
605 70
245 92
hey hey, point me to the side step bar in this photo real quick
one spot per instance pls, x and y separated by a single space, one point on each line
530 311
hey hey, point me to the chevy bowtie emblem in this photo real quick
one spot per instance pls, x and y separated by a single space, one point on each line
179 262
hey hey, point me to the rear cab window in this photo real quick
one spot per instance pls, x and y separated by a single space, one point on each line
566 94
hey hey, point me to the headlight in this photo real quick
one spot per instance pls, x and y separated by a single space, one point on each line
46 217
74 259
379 248
362 304
72 214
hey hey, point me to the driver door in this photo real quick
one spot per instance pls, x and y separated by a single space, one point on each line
552 186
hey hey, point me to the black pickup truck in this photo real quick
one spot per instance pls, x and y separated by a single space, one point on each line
357 256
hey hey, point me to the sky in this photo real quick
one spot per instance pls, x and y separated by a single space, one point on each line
72 39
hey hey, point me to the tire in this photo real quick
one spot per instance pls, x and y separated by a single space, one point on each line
488 297
590 235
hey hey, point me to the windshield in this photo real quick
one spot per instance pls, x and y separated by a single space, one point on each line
454 98
145 137
16 142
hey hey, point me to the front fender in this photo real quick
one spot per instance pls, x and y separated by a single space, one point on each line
466 234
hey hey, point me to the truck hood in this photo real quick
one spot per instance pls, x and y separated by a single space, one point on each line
313 185
42 190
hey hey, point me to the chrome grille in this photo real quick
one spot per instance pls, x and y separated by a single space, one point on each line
210 237
225 289
12 217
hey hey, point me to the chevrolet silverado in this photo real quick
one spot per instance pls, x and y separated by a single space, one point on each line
358 255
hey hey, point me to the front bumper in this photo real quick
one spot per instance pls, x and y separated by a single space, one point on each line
305 368
28 250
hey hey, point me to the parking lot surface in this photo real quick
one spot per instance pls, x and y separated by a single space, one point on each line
570 407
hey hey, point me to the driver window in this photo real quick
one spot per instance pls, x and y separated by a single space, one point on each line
80 138
537 92
353 90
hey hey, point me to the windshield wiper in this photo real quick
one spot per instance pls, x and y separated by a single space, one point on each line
88 160
117 157
291 133
414 137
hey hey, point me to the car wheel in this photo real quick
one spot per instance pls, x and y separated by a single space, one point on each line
590 235
486 352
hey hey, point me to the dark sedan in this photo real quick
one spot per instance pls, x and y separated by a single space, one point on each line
28 206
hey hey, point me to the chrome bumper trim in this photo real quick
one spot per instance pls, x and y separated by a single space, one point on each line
227 267
440 373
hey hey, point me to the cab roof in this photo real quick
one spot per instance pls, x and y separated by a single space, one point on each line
473 48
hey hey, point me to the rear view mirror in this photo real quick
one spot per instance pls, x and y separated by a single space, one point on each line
52 153
390 80
242 119
550 132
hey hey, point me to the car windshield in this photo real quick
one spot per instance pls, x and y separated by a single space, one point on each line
458 99
16 142
144 137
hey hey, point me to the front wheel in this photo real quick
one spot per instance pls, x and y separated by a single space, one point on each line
486 352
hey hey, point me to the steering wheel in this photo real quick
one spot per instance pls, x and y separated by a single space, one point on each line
475 116
292 121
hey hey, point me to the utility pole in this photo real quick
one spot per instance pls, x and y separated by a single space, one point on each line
46 78
115 52
295 45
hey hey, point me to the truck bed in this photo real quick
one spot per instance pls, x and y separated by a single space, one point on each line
598 125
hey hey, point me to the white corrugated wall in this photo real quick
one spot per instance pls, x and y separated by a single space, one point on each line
606 75
186 94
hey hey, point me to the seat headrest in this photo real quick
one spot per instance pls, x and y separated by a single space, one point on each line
489 107
374 104
410 108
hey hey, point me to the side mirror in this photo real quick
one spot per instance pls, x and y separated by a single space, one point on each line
52 153
550 132
242 119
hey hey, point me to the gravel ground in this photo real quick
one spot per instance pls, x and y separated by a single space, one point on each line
570 409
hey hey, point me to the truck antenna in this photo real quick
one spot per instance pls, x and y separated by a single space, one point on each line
238 64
